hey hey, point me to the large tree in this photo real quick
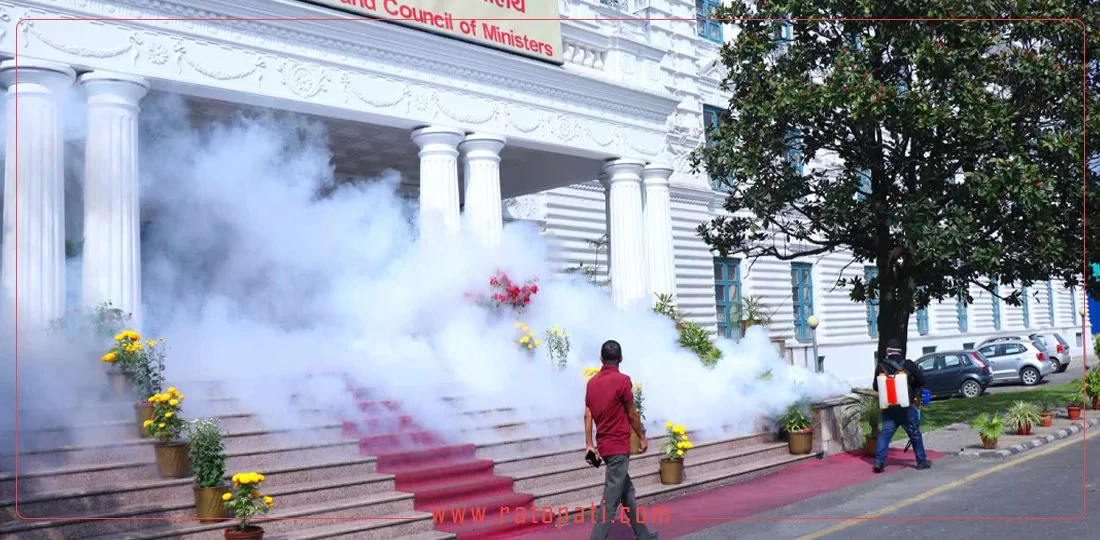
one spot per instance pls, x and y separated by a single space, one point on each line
947 152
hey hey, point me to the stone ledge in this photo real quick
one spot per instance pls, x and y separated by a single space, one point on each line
1033 443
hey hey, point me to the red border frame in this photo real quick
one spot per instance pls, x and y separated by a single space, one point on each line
1085 265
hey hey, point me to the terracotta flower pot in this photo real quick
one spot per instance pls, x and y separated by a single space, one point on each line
1047 419
119 382
635 443
672 471
1095 403
173 460
800 442
989 444
209 506
1024 430
1073 412
251 531
872 445
144 411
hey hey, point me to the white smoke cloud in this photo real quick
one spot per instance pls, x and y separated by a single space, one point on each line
256 281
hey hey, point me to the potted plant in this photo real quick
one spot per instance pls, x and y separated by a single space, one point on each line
675 449
870 414
1076 401
145 365
1022 416
1092 388
166 427
990 427
639 402
526 340
557 347
245 502
1046 413
207 455
799 427
750 311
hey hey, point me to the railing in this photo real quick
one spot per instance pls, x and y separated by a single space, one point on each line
585 55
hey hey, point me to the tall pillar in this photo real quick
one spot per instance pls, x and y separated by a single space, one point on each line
34 190
627 240
481 157
112 227
661 267
438 180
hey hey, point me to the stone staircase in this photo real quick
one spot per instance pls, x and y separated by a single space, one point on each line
379 474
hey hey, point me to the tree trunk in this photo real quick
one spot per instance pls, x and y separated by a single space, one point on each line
896 294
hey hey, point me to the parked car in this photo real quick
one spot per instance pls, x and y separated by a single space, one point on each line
1057 349
1019 360
951 373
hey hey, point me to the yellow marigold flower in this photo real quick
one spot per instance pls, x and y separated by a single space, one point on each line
110 357
152 399
679 430
538 343
161 425
679 452
668 425
168 414
133 335
524 340
171 390
680 444
530 346
151 343
688 445
519 325
173 402
147 423
120 336
227 496
269 502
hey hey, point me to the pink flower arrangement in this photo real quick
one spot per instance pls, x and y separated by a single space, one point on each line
507 292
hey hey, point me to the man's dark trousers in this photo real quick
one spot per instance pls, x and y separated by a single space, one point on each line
618 489
892 419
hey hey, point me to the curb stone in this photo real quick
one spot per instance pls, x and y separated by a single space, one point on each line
1033 443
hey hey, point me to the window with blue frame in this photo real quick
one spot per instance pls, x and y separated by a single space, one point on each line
704 25
1050 302
794 150
1073 303
802 298
864 184
960 312
922 320
727 296
996 306
869 273
1025 306
712 117
782 32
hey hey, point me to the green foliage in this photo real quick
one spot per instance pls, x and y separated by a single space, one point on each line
244 500
910 108
207 453
1022 415
692 336
751 310
102 322
1096 345
989 426
1092 383
796 418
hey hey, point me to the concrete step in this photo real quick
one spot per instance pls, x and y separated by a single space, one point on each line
86 498
301 456
331 499
135 449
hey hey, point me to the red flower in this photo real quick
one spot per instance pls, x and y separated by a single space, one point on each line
534 289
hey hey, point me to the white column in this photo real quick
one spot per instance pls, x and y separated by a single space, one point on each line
627 240
112 241
34 210
481 159
438 180
658 231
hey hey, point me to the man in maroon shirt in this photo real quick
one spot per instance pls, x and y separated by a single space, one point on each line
609 402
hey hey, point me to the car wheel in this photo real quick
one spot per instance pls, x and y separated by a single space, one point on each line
1062 369
1029 376
970 389
1057 366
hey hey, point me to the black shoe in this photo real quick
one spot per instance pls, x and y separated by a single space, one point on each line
924 465
877 469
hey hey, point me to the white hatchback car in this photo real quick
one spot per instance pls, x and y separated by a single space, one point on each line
1017 360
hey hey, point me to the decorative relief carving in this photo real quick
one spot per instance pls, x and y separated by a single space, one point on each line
132 43
646 144
383 93
422 100
183 58
566 128
527 208
603 134
5 20
468 109
525 120
302 79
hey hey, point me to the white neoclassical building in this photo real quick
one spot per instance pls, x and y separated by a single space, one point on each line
582 124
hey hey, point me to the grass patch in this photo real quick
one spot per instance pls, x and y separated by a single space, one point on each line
944 412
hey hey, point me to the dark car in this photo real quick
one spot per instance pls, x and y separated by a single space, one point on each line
952 373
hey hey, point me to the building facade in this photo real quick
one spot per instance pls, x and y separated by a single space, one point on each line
583 125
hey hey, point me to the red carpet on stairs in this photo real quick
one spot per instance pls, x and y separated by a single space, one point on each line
446 480
689 514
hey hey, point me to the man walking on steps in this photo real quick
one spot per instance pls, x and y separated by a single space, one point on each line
896 416
609 402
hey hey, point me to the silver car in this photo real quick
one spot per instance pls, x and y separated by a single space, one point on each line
1017 360
1057 349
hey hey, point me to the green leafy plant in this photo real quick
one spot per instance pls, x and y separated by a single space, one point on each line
1077 393
797 417
692 336
245 500
639 399
557 347
752 311
1092 384
167 424
204 441
1022 415
990 427
1045 402
104 321
676 445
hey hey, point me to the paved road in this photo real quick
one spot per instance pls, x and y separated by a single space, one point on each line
1076 371
1046 483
